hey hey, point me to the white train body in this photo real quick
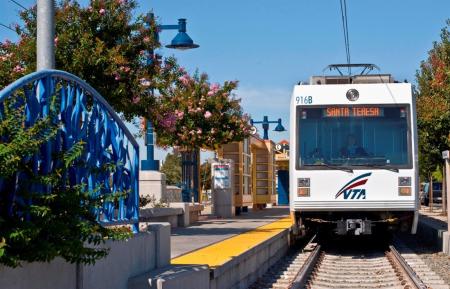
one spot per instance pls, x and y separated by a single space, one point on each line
354 163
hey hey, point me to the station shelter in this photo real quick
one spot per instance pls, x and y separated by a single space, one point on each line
254 172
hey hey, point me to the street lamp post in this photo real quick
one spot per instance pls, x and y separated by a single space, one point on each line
265 124
182 41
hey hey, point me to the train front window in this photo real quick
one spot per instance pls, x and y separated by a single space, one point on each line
375 136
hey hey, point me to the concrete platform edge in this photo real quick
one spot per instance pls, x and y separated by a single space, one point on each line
243 270
434 234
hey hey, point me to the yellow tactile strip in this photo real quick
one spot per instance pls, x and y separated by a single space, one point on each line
221 252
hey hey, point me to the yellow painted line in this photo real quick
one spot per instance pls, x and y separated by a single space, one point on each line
219 253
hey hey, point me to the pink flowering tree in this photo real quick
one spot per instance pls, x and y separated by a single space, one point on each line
193 113
103 43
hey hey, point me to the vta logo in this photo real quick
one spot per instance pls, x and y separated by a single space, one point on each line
350 190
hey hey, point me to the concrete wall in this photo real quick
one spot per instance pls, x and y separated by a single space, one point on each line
144 252
57 274
173 194
152 183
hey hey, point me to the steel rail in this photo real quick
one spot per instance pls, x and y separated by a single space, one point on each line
303 275
410 273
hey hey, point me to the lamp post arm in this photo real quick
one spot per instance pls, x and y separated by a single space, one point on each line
265 121
168 27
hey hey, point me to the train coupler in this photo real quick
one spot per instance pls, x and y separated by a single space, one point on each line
354 226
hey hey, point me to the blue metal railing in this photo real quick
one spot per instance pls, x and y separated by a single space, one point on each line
85 116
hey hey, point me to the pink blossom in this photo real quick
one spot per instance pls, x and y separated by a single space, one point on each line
90 9
136 99
184 79
117 77
169 121
180 114
18 69
121 2
146 39
182 70
56 41
142 52
213 89
142 123
207 114
102 11
199 131
125 68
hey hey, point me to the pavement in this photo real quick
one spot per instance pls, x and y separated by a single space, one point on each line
211 230
435 214
435 218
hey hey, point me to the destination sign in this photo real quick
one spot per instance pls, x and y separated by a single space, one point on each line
359 111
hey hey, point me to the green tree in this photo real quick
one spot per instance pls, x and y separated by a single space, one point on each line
433 105
194 113
172 168
205 173
104 44
36 226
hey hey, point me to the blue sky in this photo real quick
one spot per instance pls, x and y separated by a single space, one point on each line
271 45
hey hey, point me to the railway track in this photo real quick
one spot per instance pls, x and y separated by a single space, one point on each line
318 268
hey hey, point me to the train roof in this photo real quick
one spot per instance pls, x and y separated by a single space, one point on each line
364 75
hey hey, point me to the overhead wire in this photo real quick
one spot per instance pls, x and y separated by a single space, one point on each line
343 4
18 4
7 27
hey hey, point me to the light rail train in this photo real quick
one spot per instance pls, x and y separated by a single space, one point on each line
354 155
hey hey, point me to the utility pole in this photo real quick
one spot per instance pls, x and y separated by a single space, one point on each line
45 42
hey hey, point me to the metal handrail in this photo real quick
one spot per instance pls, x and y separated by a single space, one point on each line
98 125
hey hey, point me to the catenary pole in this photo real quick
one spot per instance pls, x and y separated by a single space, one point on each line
45 47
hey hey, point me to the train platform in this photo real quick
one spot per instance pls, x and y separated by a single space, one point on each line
211 230
233 252
432 227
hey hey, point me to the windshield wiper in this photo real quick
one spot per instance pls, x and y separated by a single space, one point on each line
345 169
380 167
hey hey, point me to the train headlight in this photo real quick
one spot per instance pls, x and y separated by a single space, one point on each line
404 181
302 192
404 191
303 185
303 182
352 94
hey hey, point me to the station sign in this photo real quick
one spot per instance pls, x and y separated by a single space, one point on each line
446 155
221 176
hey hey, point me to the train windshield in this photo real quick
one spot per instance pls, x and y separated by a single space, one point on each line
336 137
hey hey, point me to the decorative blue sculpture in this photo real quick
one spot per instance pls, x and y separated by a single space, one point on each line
85 116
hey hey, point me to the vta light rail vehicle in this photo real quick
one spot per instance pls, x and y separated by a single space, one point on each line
354 155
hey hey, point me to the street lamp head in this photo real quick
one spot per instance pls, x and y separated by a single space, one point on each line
182 41
279 127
